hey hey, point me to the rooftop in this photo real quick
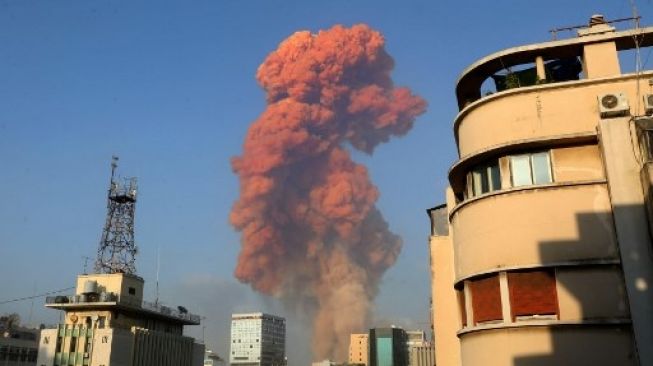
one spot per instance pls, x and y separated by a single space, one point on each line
468 88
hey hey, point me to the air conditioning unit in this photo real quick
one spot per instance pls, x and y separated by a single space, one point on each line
613 105
648 104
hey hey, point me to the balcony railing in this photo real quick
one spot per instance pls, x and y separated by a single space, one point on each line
103 297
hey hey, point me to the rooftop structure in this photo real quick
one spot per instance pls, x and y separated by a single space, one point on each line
541 255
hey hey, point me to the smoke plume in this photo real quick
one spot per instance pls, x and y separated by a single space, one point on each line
311 233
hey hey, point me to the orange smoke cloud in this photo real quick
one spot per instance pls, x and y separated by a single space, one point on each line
311 234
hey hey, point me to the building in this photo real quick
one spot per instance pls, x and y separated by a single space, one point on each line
324 363
18 345
358 349
421 355
416 338
258 339
420 350
542 253
106 322
388 347
212 359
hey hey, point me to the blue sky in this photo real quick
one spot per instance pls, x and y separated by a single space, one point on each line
169 87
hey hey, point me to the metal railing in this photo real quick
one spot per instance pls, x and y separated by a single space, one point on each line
179 312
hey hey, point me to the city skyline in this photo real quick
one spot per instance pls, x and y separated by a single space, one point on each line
170 88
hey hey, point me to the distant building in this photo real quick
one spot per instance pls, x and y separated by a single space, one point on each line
324 363
388 347
18 346
212 359
258 339
107 323
421 354
415 338
359 349
420 350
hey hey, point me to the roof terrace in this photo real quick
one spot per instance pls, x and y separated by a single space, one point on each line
549 62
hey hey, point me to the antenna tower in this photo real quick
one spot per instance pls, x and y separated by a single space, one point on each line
117 251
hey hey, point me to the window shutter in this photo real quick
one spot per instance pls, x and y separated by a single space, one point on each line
486 299
533 292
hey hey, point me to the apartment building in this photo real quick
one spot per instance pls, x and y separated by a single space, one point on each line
542 253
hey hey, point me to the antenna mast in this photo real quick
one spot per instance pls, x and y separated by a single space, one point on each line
117 250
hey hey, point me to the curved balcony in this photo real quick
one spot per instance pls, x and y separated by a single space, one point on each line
569 344
541 112
550 224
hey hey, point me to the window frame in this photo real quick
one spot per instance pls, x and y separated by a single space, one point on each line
532 174
484 178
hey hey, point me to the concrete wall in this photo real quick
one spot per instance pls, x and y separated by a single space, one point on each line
547 346
510 229
117 283
540 112
576 289
47 346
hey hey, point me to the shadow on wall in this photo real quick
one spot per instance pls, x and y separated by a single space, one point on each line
593 304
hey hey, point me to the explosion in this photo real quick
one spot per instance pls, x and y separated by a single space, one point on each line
311 233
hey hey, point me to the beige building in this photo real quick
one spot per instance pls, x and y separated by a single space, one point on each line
358 349
542 254
421 355
107 323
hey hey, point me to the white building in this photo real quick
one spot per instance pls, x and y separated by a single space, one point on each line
212 359
107 323
257 339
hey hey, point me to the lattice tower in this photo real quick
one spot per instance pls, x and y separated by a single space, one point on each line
117 250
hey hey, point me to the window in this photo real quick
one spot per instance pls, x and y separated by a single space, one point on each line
73 344
486 299
483 179
532 293
132 291
529 169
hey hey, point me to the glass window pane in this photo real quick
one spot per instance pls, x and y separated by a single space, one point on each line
541 168
495 176
521 170
479 180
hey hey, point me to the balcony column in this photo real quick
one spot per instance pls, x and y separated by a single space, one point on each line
539 65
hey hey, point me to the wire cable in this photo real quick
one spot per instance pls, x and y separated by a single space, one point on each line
36 296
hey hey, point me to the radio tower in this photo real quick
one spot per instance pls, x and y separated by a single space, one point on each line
117 251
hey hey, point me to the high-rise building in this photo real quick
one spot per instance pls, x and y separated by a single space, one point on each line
106 322
358 349
258 339
387 347
542 253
